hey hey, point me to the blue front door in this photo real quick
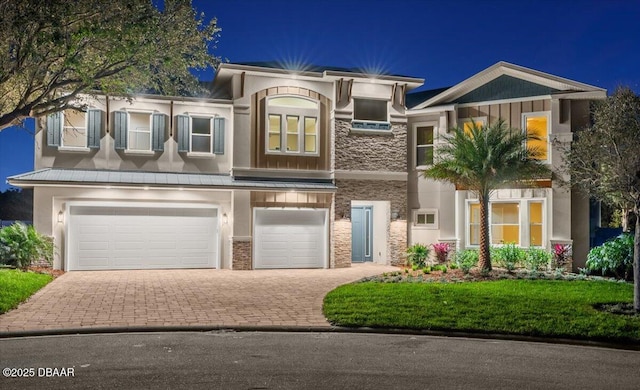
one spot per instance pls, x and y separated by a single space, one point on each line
361 233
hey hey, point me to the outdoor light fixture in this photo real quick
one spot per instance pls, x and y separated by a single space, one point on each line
395 214
225 218
60 216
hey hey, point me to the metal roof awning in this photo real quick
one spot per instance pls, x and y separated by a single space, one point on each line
86 177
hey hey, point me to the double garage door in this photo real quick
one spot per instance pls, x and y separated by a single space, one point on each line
294 238
141 237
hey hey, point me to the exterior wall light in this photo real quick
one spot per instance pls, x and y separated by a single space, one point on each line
225 218
60 217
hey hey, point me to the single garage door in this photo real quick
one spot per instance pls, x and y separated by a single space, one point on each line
290 238
141 237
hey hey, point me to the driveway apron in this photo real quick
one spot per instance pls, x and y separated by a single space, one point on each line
183 297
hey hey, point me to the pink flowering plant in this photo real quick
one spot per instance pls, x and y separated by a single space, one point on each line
561 254
441 250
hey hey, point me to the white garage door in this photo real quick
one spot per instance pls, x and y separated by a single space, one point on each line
102 238
290 238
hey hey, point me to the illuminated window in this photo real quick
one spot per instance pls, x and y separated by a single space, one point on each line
467 124
505 223
292 125
537 124
535 224
424 145
474 224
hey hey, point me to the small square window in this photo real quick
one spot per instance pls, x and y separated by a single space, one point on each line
425 218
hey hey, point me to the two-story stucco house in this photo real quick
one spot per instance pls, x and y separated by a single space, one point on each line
317 168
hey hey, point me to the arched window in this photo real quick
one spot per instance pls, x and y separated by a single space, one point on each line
292 125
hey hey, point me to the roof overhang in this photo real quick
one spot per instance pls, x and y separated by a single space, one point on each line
51 177
227 69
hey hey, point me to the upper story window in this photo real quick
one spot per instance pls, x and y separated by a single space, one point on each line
467 123
139 131
370 114
292 125
425 135
200 134
537 123
75 130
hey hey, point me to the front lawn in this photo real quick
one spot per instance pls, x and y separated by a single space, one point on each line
16 286
551 308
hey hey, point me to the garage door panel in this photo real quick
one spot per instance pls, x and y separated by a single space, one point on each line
290 238
139 237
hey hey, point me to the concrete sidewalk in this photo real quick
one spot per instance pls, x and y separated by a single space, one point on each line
183 298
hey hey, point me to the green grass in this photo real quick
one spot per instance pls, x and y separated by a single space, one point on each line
16 286
523 307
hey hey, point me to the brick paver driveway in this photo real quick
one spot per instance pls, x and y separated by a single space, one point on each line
182 297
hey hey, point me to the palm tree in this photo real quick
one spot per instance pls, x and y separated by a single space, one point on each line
483 159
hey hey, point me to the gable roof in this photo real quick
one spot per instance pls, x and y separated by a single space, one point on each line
505 81
414 98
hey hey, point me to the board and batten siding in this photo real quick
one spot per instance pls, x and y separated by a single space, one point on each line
259 157
510 112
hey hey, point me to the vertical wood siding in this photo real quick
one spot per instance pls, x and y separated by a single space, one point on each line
260 159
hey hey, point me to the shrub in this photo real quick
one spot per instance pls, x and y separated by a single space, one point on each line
442 251
536 258
426 270
561 254
20 245
417 255
466 259
614 257
508 256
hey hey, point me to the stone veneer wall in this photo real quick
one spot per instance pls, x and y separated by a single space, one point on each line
397 241
241 252
371 152
342 243
395 192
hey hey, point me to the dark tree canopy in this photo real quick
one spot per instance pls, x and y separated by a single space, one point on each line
58 49
605 161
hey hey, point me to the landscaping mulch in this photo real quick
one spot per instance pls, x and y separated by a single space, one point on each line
406 274
46 270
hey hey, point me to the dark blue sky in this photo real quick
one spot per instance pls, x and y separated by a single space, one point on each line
444 42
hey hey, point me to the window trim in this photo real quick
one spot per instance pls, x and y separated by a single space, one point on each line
67 148
546 114
191 134
523 221
301 113
425 226
130 130
386 123
415 142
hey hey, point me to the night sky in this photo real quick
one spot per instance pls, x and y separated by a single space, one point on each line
444 42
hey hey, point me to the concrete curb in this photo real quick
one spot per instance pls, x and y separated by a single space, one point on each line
633 346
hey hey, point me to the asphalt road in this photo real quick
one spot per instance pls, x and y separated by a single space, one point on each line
257 360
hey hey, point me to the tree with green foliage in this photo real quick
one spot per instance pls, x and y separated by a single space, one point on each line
483 159
57 50
605 161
